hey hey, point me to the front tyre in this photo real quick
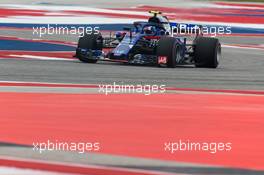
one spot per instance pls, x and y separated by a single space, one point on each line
92 42
168 49
207 52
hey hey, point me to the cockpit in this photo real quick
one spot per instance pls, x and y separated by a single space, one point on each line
157 18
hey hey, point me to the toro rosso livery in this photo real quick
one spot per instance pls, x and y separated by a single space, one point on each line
151 43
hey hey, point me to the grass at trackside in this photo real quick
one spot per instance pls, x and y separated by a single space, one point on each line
245 0
241 0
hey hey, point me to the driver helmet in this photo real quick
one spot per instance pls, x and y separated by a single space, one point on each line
149 30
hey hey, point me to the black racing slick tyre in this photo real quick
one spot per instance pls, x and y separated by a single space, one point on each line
90 41
167 47
207 52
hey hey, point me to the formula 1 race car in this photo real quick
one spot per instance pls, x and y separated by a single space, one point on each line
152 43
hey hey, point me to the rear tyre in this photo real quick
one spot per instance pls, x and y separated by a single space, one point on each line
90 41
168 47
207 52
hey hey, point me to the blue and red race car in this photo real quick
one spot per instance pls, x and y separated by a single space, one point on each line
155 42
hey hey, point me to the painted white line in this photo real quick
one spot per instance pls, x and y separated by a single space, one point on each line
43 58
82 20
243 47
73 8
226 6
21 171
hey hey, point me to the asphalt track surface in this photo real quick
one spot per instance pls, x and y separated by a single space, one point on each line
240 69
